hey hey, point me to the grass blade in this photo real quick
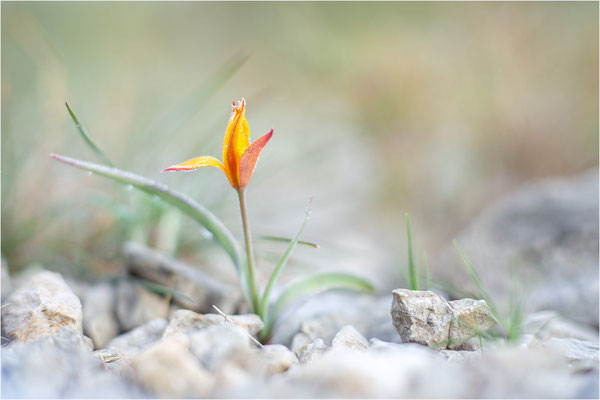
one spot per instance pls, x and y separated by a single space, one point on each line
412 270
264 301
179 200
286 240
477 280
88 140
313 284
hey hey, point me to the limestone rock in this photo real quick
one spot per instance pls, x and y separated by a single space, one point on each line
426 318
136 340
99 322
170 370
581 355
217 344
40 307
348 337
60 366
311 351
276 358
188 322
545 325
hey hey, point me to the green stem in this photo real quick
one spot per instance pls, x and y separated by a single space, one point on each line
249 250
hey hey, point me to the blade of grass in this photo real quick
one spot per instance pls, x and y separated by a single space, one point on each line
286 240
88 140
475 277
412 270
478 329
264 301
179 200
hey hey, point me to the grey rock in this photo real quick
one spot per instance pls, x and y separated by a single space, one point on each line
545 325
169 370
135 305
348 337
581 355
425 317
138 339
300 339
275 359
409 370
187 322
323 315
311 351
357 374
6 282
40 307
217 344
99 321
60 366
204 290
544 234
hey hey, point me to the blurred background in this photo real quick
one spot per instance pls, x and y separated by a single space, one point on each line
379 109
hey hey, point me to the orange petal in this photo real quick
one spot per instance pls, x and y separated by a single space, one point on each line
250 157
195 163
236 141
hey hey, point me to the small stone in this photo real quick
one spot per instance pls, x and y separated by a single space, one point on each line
277 358
421 317
170 370
188 322
60 366
136 340
311 351
545 325
99 321
426 318
135 305
40 307
581 355
300 339
348 337
217 344
468 318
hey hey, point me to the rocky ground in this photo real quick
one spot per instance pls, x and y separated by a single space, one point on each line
67 338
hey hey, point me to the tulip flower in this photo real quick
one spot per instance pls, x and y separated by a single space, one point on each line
239 161
239 156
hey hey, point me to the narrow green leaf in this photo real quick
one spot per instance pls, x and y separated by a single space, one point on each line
264 301
86 137
412 270
161 289
313 284
179 200
286 240
477 280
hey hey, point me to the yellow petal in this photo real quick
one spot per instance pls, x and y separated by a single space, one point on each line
235 142
195 163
